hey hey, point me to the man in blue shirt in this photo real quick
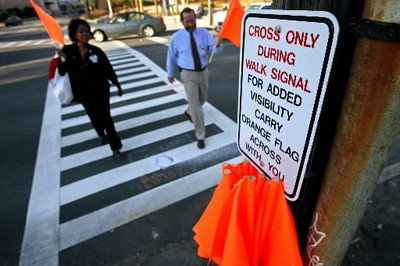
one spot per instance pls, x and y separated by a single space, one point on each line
189 49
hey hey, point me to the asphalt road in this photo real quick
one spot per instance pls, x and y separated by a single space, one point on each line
164 236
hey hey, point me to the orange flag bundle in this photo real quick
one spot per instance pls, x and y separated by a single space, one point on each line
50 24
231 27
247 222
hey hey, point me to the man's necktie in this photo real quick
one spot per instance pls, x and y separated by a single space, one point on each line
195 52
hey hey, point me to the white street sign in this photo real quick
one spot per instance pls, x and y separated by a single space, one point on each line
286 58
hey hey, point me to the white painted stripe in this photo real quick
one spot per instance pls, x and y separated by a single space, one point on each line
116 176
39 42
122 110
135 84
125 55
41 238
9 44
389 172
128 65
120 61
130 70
135 142
127 96
123 125
103 220
159 40
136 76
20 44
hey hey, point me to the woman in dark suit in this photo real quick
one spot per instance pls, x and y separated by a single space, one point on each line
90 72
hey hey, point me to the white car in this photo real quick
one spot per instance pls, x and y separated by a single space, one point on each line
219 16
261 5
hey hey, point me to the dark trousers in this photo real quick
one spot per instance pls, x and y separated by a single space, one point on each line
98 110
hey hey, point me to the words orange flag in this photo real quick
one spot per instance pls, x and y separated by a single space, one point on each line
231 27
50 24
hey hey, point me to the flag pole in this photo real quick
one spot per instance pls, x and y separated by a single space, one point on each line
212 53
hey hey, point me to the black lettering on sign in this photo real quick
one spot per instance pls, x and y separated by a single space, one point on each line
257 128
255 81
271 153
276 172
286 95
292 154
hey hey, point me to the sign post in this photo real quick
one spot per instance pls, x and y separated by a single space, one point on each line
285 61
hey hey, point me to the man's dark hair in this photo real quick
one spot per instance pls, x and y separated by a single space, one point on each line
73 27
187 10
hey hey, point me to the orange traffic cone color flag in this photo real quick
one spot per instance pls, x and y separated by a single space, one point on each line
248 222
232 25
49 23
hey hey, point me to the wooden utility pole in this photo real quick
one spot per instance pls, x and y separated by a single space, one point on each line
156 7
368 126
87 7
210 13
110 10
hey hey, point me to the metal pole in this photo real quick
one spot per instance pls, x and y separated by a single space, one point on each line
367 128
210 13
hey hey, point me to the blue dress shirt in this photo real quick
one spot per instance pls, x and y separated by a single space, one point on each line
180 50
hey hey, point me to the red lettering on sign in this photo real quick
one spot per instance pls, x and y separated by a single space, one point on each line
264 32
302 38
290 79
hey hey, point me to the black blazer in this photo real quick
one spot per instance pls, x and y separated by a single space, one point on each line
90 76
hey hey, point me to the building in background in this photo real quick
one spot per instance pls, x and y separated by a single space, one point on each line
20 4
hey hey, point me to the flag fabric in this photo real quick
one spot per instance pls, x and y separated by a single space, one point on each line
248 222
231 28
50 24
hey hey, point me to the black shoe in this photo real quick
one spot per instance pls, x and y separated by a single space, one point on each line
102 140
188 116
200 144
117 154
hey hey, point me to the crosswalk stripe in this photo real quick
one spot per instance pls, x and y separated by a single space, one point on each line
126 96
125 124
121 110
135 84
127 65
9 44
136 76
104 180
20 44
120 61
39 42
116 57
88 226
130 70
135 142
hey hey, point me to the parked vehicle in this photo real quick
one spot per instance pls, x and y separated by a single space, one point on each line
219 16
261 5
128 23
13 21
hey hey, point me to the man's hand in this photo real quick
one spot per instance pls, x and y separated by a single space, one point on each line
120 91
217 41
171 79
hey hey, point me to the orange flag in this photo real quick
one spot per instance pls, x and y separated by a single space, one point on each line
248 222
233 22
50 24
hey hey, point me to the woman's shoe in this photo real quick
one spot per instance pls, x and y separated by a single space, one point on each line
117 154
